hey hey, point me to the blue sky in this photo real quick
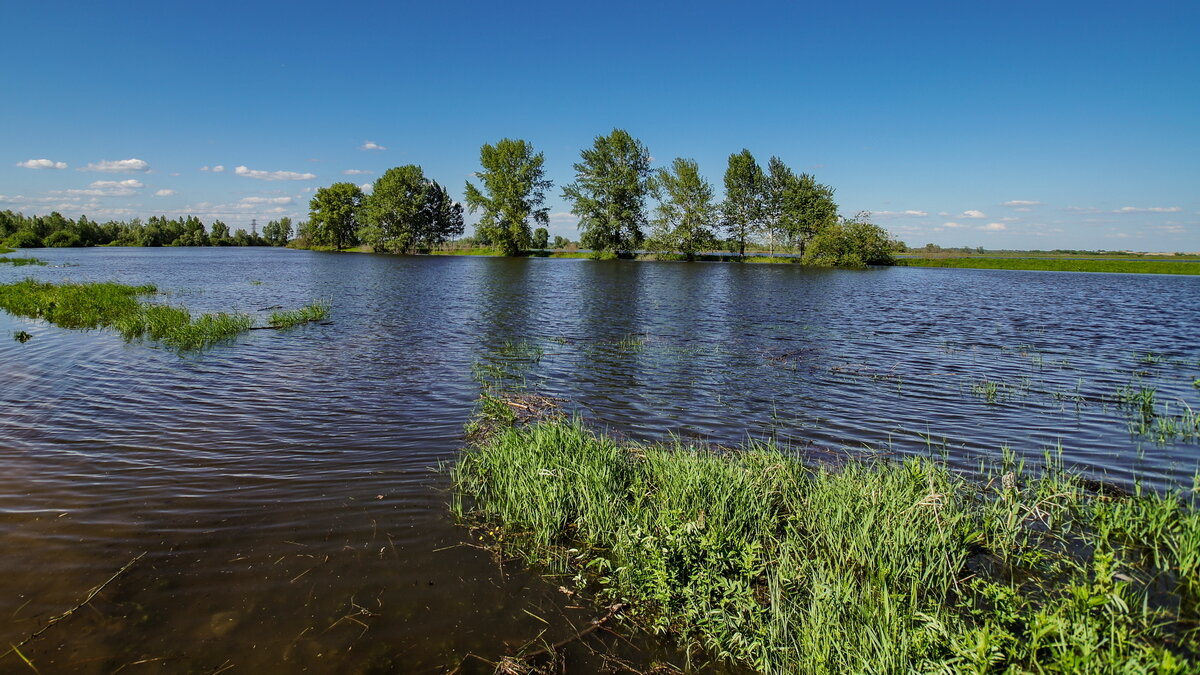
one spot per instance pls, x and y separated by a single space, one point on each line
997 124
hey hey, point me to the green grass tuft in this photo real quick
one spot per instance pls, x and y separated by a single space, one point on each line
21 262
874 567
317 311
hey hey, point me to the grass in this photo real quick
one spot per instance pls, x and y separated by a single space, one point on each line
117 306
317 311
21 261
1058 265
877 566
481 250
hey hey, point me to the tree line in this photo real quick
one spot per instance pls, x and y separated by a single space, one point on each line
57 230
610 195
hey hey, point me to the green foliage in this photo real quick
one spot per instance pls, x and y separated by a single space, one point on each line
609 193
685 214
109 305
21 261
407 213
744 209
796 206
278 232
849 243
333 215
874 567
55 230
514 192
1058 265
541 238
317 311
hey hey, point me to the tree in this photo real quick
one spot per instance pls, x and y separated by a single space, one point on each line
797 207
441 217
609 192
278 232
685 213
541 238
515 187
850 243
333 215
220 234
560 242
742 211
391 211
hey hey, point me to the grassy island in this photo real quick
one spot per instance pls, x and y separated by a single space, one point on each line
873 566
117 306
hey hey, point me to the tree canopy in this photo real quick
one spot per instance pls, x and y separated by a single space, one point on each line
333 215
685 214
407 213
609 193
514 192
742 212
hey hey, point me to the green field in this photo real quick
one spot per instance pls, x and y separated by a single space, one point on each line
1171 266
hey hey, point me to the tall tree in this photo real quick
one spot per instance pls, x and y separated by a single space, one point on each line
743 209
391 213
278 232
541 238
514 192
609 192
797 207
333 215
685 214
441 217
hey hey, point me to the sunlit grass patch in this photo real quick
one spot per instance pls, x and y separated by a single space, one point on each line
316 311
877 566
20 261
117 306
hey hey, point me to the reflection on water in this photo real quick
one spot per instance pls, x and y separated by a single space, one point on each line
286 492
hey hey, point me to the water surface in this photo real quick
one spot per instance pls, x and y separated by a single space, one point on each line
286 489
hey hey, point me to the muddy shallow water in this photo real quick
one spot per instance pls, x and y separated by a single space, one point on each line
285 489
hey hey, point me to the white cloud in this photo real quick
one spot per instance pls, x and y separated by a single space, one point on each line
110 188
119 166
972 214
42 164
952 225
1022 202
273 175
5 199
1150 209
944 214
1084 209
1173 229
993 227
256 201
367 187
164 193
371 145
356 172
214 169
893 214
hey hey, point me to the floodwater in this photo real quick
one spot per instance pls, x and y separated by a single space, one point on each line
286 491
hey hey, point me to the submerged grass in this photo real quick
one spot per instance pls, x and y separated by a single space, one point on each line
21 261
317 311
116 306
877 566
1058 265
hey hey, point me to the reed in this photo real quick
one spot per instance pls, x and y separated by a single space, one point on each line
316 311
116 306
21 261
877 566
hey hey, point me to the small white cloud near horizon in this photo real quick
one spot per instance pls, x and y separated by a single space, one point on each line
1022 202
255 201
213 169
131 165
164 193
356 172
371 145
952 225
972 213
993 227
272 175
42 164
908 212
110 188
1150 209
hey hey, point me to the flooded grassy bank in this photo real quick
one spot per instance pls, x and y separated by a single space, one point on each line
870 566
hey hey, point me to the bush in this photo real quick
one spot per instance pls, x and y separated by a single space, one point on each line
850 243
